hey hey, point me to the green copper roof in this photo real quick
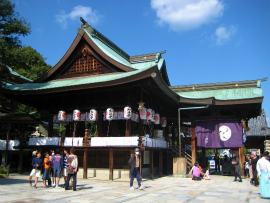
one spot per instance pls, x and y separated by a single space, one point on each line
73 81
17 74
107 49
149 64
224 94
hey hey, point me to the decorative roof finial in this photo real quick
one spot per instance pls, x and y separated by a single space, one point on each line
83 21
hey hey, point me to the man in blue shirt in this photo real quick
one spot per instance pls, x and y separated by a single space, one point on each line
57 161
37 164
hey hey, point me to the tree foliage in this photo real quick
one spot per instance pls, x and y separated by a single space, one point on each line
24 60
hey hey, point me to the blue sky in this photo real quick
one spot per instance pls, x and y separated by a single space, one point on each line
206 41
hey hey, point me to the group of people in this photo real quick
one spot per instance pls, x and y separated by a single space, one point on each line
197 172
54 165
259 168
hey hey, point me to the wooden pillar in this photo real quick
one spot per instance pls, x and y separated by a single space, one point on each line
151 165
85 163
111 164
99 124
50 126
128 128
168 163
160 163
193 143
204 164
241 160
20 161
7 143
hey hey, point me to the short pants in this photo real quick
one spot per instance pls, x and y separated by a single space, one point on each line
57 173
35 173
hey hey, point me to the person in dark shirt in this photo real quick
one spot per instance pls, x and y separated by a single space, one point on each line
37 164
217 166
254 161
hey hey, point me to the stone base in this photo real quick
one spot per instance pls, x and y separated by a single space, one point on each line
179 165
180 176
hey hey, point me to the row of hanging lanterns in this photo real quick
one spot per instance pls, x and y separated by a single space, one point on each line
145 114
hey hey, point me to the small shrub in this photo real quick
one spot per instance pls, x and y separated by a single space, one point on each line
3 170
3 176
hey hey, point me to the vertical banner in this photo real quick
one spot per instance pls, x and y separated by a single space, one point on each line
219 134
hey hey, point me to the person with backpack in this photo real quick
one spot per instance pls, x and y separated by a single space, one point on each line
72 169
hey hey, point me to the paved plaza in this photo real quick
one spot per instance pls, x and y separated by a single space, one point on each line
166 189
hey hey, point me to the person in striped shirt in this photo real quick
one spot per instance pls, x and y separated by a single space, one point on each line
66 152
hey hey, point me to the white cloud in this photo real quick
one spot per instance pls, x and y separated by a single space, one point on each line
184 15
224 34
90 16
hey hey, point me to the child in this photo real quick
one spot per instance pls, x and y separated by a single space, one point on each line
196 173
46 169
57 161
51 169
37 164
207 174
247 168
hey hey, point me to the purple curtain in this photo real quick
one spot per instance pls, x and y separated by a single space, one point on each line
219 134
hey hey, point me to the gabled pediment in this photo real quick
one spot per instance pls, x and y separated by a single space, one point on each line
86 63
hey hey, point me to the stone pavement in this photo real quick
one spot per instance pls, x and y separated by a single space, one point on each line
166 189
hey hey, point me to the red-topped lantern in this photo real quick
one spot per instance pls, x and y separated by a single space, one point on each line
163 121
61 115
149 114
93 115
157 119
127 112
109 114
76 115
143 114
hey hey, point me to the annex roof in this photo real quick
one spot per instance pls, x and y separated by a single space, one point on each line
12 76
215 92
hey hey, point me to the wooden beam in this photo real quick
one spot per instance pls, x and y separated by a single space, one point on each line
128 128
151 165
111 164
85 163
160 164
193 143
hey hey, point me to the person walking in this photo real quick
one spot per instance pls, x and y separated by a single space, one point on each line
134 164
236 164
217 165
72 169
263 168
37 164
254 161
46 169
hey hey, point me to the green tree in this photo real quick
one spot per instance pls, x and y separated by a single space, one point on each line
12 26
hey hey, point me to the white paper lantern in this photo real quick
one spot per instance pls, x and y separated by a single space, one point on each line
143 114
149 114
157 119
153 116
93 115
61 115
76 115
109 114
163 122
127 112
